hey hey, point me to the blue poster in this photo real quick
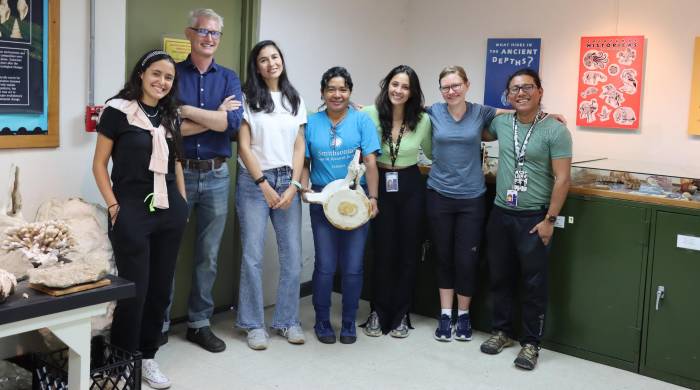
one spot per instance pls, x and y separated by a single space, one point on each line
503 58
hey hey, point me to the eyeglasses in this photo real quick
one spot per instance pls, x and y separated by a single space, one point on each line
527 88
203 32
454 87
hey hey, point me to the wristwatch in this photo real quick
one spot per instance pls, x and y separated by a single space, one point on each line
260 180
551 218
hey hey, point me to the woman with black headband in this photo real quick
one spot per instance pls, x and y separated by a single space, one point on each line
147 210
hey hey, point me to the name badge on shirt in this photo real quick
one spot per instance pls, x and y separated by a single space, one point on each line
392 181
520 181
512 198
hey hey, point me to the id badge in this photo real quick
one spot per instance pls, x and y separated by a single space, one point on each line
520 181
392 181
512 198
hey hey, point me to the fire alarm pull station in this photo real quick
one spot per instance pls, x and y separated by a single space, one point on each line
91 115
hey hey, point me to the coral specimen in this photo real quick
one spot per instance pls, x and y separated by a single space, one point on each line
42 242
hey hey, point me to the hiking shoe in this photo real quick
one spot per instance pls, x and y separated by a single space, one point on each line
401 331
527 358
153 376
463 328
294 334
444 329
347 332
206 339
496 343
324 332
258 339
372 327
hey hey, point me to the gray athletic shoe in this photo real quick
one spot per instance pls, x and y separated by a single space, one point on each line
401 331
258 339
372 327
294 334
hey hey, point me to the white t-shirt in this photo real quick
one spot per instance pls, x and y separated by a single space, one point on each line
272 135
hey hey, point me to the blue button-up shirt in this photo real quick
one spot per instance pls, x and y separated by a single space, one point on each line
207 91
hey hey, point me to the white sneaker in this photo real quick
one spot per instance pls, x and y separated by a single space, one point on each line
294 334
151 374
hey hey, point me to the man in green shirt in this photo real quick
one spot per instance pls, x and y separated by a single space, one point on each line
531 186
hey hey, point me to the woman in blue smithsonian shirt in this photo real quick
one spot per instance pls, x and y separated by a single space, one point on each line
332 137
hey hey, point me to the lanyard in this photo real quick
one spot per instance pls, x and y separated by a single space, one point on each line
520 149
394 153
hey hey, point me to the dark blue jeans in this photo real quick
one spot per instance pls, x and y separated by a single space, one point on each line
335 247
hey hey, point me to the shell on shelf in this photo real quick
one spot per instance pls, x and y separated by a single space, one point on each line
8 282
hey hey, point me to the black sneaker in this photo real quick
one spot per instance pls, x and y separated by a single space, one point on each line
444 329
527 358
463 328
206 339
163 339
347 332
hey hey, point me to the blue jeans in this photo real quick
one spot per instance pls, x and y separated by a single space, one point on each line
207 193
334 247
253 213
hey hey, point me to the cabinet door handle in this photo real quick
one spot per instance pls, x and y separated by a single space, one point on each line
659 295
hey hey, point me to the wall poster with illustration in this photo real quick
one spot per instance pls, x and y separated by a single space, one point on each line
610 82
29 74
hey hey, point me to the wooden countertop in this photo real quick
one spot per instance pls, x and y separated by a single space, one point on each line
634 197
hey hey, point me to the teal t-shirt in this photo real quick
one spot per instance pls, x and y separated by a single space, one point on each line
329 154
550 140
410 141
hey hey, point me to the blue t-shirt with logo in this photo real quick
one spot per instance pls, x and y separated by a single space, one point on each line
330 154
456 170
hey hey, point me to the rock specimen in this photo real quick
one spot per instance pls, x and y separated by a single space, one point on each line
63 275
15 262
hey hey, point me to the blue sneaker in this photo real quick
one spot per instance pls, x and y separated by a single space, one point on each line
463 328
444 329
347 332
324 332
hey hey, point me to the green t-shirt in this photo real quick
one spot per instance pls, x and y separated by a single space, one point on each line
550 140
410 141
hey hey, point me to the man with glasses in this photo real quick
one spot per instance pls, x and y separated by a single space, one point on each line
531 186
211 116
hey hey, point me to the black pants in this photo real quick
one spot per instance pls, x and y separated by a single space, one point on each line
456 229
397 237
516 257
145 247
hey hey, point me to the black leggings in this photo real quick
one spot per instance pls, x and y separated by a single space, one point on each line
397 237
145 248
456 228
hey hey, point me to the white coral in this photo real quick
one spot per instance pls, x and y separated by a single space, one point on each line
42 242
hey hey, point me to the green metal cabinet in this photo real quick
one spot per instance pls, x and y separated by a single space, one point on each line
671 343
596 281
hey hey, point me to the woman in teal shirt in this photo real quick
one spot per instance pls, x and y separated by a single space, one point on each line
403 128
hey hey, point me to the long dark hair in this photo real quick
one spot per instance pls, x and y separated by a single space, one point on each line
256 92
167 105
414 105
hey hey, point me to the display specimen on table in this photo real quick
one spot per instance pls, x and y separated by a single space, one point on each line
503 57
694 115
610 82
8 282
21 58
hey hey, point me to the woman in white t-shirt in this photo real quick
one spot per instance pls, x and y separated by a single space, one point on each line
271 156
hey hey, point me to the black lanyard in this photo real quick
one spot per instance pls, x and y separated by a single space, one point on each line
520 150
394 153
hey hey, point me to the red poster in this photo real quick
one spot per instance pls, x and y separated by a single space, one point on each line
610 82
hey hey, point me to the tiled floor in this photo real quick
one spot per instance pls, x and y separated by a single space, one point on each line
417 362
